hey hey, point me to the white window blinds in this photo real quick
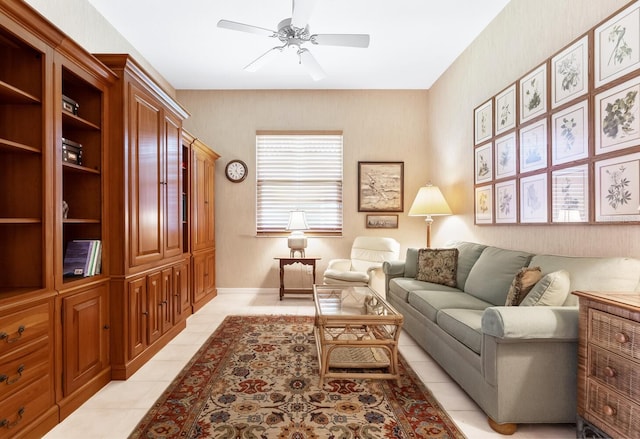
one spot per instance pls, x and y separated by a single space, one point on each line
299 171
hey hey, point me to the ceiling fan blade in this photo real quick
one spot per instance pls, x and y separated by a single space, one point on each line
226 24
309 62
263 59
347 40
302 10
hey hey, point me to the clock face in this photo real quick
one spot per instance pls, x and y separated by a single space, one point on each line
236 171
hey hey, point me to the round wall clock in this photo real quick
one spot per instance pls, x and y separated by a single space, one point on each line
236 171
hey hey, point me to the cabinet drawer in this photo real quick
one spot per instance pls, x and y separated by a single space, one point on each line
613 410
23 366
23 407
614 333
21 327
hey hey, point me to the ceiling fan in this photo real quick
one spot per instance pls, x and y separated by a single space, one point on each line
294 32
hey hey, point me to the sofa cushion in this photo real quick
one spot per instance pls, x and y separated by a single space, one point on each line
400 287
552 290
593 273
465 325
468 254
522 283
492 274
428 303
438 266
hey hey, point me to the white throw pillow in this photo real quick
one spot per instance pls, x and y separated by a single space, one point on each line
551 290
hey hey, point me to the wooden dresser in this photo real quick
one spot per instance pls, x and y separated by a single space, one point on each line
609 365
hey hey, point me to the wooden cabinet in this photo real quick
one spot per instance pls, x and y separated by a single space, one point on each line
27 399
155 308
146 182
38 66
85 337
202 227
609 365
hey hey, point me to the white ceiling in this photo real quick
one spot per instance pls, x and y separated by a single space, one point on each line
412 41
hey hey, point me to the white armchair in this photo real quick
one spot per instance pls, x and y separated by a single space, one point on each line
367 255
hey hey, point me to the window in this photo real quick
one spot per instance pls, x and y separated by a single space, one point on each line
299 170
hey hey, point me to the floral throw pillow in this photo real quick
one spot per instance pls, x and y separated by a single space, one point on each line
438 266
522 283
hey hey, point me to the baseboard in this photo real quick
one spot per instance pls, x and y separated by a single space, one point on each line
248 290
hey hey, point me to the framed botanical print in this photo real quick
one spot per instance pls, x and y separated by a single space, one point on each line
570 72
533 199
533 146
484 204
570 195
617 45
570 133
484 163
483 122
380 186
506 202
617 189
617 118
505 111
533 94
505 156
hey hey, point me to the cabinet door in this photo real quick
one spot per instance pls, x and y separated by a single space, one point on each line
172 185
85 336
146 178
137 316
181 299
204 278
203 199
154 307
166 294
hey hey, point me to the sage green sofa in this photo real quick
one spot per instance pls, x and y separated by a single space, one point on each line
518 363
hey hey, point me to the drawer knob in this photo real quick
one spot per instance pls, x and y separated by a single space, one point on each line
7 424
9 381
621 337
4 336
608 410
610 371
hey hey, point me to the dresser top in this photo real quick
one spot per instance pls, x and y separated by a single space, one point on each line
628 300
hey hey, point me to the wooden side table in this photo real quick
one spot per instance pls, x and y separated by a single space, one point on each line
608 365
291 261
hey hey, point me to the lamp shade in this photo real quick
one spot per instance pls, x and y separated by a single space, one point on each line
429 201
297 220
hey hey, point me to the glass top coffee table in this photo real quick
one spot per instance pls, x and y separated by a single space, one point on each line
356 333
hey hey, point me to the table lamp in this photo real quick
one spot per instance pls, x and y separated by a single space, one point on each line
297 224
429 202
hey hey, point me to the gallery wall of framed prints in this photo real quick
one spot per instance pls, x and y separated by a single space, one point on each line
561 145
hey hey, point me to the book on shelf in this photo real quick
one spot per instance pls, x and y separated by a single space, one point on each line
82 258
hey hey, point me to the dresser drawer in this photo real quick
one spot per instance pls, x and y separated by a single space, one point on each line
23 366
614 333
23 407
612 410
21 327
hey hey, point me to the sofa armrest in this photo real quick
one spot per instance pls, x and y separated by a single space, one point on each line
531 322
393 269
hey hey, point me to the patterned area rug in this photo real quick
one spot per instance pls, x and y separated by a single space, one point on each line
257 377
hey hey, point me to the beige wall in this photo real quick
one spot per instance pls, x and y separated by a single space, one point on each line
524 35
377 126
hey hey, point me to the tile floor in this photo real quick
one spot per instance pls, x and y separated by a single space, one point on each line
115 410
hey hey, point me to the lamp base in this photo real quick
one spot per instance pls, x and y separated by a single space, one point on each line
297 242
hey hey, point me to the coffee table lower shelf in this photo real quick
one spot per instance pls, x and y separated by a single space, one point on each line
360 355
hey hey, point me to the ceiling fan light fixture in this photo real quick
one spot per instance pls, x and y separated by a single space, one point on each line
294 32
